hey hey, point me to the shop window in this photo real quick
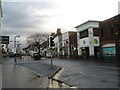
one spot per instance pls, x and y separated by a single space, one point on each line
108 51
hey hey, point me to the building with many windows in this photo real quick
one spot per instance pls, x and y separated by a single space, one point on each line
66 45
110 38
69 44
88 39
58 45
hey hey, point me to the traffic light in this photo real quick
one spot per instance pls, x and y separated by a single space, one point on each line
51 42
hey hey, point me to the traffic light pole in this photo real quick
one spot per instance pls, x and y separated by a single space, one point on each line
51 61
51 44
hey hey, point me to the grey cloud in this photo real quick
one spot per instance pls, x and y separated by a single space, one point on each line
18 17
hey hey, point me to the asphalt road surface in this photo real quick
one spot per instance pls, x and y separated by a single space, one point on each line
82 74
85 74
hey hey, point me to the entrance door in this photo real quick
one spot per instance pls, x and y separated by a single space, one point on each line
96 51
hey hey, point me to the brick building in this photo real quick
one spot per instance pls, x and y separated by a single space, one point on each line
110 38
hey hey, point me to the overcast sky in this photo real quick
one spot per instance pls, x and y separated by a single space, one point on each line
45 16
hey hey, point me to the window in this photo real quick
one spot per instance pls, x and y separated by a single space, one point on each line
96 31
101 32
83 34
112 29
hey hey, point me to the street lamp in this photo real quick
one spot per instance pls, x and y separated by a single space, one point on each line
15 46
15 41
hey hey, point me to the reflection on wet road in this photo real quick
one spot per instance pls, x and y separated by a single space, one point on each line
15 76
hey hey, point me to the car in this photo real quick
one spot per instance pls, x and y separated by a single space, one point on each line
11 54
36 56
31 53
16 54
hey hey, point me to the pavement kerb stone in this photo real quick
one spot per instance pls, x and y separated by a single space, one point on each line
50 77
61 83
55 72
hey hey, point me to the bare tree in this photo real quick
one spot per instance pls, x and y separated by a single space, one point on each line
37 37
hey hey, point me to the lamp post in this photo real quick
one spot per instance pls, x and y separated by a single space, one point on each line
15 46
15 42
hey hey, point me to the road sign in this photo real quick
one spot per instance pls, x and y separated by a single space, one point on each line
50 51
5 39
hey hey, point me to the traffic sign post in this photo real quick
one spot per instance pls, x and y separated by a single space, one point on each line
50 51
51 61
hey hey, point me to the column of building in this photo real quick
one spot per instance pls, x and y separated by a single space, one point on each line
91 43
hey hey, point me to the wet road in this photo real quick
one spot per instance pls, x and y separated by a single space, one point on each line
82 74
87 74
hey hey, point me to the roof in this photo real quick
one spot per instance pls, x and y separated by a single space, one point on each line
68 32
87 22
116 17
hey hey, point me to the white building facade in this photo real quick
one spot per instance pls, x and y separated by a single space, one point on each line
58 45
88 38
66 44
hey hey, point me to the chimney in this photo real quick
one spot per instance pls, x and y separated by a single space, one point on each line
58 33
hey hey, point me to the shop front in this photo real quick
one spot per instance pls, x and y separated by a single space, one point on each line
65 52
109 53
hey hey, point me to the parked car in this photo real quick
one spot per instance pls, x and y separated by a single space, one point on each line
16 54
36 56
11 54
32 53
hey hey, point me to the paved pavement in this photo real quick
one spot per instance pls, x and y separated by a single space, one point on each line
41 68
15 76
26 73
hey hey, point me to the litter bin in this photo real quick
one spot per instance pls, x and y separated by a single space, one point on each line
36 56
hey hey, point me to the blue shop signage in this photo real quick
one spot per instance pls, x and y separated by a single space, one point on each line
109 51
